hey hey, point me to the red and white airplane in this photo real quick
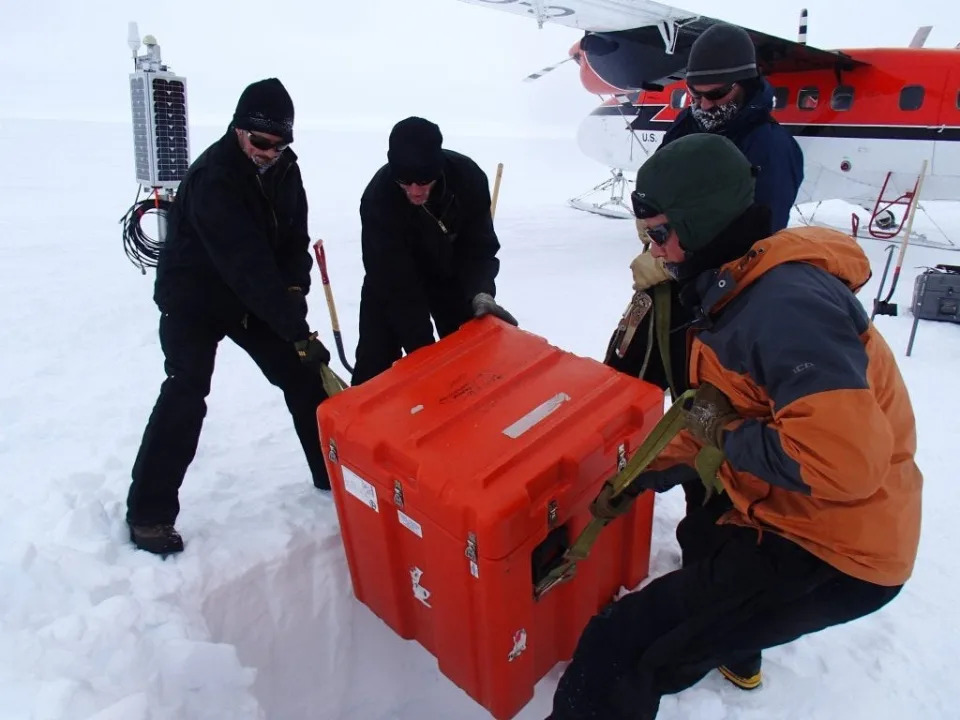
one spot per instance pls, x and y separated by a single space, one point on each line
866 119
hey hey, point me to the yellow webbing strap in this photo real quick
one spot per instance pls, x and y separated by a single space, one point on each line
662 433
332 382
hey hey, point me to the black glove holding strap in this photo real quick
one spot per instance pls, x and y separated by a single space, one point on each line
312 352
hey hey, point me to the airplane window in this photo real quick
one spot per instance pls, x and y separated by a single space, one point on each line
808 98
958 100
781 97
842 98
678 98
911 97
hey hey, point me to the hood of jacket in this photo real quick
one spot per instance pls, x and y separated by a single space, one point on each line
830 250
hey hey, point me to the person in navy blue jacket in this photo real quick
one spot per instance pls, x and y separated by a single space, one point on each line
729 98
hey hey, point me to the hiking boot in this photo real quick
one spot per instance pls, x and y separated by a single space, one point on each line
745 674
157 539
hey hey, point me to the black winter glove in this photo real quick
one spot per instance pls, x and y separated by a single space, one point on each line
607 507
484 304
312 352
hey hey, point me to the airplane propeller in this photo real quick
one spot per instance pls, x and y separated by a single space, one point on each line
543 71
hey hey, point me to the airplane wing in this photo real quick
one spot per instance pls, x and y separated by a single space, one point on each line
592 15
637 44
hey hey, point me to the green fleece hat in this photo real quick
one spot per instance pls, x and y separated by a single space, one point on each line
701 182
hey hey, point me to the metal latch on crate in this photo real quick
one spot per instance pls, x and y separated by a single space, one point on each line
397 494
552 513
333 451
472 554
471 551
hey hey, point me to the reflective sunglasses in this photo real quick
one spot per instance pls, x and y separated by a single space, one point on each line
659 234
262 143
644 210
711 95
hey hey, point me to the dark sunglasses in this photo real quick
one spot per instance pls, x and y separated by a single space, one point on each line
422 182
262 143
644 210
711 95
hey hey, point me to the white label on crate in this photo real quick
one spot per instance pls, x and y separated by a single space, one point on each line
474 569
536 415
358 487
419 591
519 644
409 523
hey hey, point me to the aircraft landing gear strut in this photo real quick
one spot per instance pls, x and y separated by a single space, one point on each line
614 206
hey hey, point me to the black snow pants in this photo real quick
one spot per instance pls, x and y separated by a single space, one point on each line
170 440
382 329
743 592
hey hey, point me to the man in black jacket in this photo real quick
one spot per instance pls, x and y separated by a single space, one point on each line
429 248
235 263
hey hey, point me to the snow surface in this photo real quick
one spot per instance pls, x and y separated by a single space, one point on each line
257 619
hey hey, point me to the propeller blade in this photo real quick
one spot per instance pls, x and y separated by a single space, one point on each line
920 36
543 71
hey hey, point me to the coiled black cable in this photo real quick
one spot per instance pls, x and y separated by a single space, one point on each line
141 249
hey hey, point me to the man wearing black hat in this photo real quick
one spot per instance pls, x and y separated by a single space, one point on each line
729 98
235 263
800 422
429 248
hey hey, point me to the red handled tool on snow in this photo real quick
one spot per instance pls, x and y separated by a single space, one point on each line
334 322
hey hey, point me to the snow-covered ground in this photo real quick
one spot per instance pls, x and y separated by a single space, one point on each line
256 619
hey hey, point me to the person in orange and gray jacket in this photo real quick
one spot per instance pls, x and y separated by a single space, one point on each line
728 97
802 424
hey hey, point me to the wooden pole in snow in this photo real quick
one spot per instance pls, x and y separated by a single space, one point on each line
496 190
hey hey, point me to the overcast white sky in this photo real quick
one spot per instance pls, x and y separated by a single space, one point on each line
364 60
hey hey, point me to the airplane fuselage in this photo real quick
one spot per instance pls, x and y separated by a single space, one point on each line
854 126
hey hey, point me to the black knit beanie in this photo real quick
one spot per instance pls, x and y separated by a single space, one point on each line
701 182
265 106
723 54
415 153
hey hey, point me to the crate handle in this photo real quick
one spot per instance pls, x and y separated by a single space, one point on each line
548 555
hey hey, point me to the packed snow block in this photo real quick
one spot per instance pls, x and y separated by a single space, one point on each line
461 473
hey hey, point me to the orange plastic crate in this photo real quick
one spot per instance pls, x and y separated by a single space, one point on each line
459 472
